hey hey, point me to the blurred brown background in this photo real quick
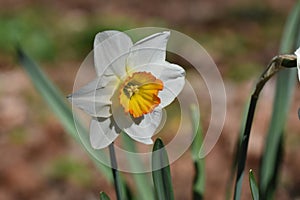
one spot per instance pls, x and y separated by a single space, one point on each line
38 158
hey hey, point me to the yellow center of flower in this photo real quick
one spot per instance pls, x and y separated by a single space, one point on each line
138 93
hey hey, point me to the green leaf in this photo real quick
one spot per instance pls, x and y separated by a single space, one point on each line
253 186
199 165
58 105
284 89
161 172
49 93
237 150
142 182
243 147
104 196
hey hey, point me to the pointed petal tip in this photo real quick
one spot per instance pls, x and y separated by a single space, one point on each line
144 140
297 52
167 32
150 141
147 141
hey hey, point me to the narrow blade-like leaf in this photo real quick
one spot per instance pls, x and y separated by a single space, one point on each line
284 89
58 105
104 196
142 182
237 150
199 178
161 172
253 186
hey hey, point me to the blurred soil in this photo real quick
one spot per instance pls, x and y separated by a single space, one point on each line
39 160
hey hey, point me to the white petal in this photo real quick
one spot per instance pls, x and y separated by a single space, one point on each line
298 61
172 75
140 129
146 128
95 97
142 140
151 49
173 78
110 51
103 132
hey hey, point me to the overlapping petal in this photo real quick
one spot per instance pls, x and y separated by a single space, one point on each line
111 49
140 129
134 84
151 49
103 131
172 76
145 129
95 97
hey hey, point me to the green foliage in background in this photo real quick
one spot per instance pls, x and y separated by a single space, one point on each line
59 106
65 168
56 102
272 156
51 35
40 43
271 159
30 30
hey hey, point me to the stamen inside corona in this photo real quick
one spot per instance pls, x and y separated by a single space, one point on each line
138 93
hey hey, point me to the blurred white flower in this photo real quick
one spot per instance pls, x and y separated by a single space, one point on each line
297 52
134 82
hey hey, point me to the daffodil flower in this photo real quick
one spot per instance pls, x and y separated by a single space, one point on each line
134 83
298 61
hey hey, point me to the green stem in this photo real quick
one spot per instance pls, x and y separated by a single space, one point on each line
276 64
244 147
115 171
